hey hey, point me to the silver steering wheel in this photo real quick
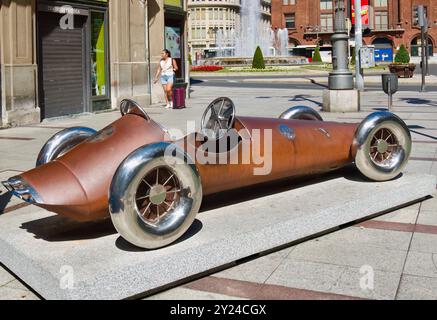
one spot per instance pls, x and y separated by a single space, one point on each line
218 118
127 106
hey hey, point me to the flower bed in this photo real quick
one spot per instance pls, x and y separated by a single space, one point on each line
206 68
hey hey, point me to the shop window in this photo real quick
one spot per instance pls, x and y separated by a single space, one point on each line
174 3
99 70
174 42
98 55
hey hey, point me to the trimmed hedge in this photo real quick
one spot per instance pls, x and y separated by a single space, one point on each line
317 57
402 57
258 59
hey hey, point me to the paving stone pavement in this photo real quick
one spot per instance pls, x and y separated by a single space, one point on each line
390 257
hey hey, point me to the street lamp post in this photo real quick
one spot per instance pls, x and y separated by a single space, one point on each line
340 78
426 47
340 95
423 25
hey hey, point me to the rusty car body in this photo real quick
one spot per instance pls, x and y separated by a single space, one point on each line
126 171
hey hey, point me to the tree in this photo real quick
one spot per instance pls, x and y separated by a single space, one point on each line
317 57
258 59
402 57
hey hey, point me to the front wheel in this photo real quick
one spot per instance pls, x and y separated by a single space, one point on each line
154 197
382 146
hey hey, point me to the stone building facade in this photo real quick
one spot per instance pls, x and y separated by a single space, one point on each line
60 58
391 22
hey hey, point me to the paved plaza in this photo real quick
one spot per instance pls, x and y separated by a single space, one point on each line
393 256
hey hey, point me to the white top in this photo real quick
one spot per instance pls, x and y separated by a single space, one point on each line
167 67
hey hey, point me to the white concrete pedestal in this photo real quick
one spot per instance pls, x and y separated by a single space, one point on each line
61 259
341 101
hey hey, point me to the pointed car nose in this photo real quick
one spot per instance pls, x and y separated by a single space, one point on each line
76 184
21 189
52 187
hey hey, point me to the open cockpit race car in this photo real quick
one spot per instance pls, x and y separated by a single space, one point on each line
151 184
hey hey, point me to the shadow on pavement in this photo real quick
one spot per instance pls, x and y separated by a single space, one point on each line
5 198
238 196
418 101
195 81
303 97
317 84
195 228
423 134
60 229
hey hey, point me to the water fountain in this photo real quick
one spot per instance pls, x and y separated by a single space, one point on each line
282 39
250 32
237 46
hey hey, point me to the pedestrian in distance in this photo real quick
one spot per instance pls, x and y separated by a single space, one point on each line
166 73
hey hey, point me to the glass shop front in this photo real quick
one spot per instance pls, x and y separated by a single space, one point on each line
174 35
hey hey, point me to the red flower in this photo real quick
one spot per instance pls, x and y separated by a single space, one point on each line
207 68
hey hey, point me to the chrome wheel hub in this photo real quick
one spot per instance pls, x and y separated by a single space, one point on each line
382 146
158 194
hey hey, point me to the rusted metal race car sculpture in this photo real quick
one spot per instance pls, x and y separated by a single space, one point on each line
125 172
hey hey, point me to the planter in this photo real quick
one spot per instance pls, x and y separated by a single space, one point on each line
403 70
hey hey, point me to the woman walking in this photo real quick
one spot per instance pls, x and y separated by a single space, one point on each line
167 68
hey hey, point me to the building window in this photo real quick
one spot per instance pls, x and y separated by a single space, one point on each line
380 3
381 20
416 47
326 4
288 2
290 21
326 22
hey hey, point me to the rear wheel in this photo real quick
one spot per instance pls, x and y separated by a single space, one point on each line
301 113
154 199
382 146
62 142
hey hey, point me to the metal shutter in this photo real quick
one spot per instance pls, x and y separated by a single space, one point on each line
62 66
